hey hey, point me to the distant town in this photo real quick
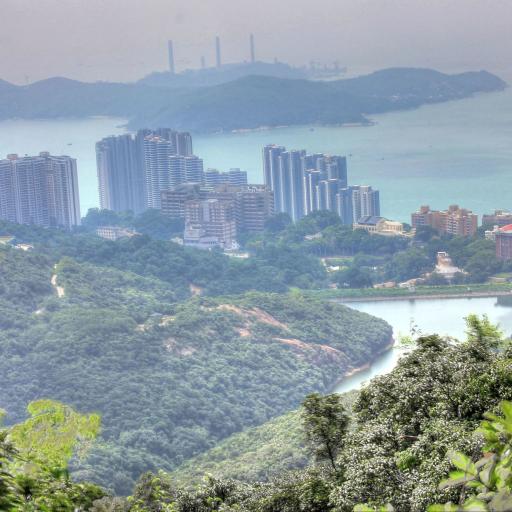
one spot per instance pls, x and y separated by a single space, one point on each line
157 170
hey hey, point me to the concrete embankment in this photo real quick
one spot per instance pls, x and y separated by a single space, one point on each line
419 296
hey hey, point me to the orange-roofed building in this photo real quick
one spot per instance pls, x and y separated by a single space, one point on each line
504 243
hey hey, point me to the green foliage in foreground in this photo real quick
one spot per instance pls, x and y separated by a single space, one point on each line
491 476
325 423
34 457
407 424
411 427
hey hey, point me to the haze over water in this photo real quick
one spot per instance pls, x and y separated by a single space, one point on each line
455 152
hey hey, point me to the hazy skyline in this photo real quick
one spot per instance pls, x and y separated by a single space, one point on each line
123 40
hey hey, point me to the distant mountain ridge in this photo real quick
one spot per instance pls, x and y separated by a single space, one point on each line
245 103
226 73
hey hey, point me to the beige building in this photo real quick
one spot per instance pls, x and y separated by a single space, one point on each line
380 226
115 232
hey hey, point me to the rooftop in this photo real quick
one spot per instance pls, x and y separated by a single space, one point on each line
370 220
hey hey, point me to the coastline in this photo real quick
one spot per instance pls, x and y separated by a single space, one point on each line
358 369
348 124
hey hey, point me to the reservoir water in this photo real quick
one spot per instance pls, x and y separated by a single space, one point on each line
455 152
439 316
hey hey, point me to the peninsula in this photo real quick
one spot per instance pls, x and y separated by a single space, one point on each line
245 103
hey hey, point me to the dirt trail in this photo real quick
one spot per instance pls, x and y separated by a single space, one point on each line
58 289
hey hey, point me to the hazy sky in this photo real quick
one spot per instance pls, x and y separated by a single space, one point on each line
126 39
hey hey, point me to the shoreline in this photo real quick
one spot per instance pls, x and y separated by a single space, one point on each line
358 369
419 296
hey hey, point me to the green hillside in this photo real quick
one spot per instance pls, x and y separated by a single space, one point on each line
257 454
170 377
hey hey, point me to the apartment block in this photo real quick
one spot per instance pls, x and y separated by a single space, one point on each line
40 190
134 169
454 221
303 183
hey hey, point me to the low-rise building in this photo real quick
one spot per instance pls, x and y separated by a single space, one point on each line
379 226
490 234
115 232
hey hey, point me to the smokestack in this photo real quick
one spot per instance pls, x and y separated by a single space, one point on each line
217 51
253 53
170 50
203 62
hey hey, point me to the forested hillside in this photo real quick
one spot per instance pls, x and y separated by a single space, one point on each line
410 430
258 454
109 327
412 441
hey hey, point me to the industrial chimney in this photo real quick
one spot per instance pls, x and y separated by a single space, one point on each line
217 51
253 53
170 50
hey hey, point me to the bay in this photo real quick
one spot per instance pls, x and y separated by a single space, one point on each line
438 316
455 152
458 152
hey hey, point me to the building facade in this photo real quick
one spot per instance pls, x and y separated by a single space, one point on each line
303 183
499 218
376 225
120 174
255 205
134 169
355 202
114 233
172 203
503 239
455 221
40 190
209 220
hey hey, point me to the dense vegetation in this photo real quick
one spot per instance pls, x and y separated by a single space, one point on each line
257 454
193 384
366 259
414 445
248 102
149 222
411 428
171 376
34 458
178 380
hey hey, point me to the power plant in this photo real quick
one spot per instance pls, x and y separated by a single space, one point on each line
218 54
